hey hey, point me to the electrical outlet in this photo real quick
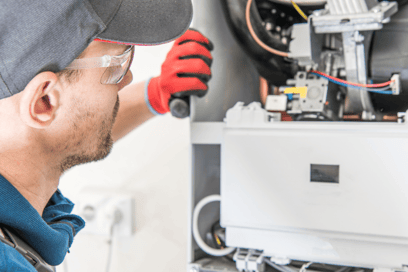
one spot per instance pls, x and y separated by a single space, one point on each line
100 210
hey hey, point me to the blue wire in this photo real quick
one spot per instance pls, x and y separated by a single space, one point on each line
379 90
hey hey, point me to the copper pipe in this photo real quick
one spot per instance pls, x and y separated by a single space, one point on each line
390 118
263 89
353 117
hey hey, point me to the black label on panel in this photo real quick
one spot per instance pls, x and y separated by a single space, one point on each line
324 173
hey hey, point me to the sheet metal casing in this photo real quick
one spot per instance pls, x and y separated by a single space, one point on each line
269 203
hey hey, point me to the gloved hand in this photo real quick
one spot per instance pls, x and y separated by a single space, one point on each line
185 72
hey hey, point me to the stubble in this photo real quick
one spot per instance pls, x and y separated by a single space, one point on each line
103 140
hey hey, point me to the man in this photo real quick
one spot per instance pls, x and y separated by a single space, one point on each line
65 98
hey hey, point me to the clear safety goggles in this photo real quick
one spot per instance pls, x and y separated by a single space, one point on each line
117 66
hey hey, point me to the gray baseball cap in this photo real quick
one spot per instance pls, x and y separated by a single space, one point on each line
47 35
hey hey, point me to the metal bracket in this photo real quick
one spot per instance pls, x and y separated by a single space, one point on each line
249 260
354 55
345 20
350 19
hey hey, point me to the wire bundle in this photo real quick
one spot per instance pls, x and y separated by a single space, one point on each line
381 88
255 37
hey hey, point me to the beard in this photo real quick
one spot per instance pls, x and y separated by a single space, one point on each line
102 148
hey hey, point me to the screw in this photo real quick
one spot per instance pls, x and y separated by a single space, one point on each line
384 3
290 105
376 10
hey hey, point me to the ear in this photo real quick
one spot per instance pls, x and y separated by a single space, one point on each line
40 100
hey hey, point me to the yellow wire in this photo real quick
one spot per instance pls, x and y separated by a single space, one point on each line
217 239
299 10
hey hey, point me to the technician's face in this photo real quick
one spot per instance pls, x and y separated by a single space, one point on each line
92 108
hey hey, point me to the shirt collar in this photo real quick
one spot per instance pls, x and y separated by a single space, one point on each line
50 235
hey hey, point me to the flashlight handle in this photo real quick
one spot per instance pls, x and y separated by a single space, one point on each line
180 106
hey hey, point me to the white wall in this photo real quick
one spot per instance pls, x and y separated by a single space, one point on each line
151 163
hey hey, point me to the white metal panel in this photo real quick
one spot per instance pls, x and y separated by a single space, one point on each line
265 182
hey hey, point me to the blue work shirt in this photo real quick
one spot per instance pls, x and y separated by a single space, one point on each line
50 235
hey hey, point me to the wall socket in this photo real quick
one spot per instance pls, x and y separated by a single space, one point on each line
101 209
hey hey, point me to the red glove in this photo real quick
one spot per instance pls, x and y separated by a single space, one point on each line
185 71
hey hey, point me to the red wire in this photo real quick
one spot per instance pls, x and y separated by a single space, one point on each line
351 83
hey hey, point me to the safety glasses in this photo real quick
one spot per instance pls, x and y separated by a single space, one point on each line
117 66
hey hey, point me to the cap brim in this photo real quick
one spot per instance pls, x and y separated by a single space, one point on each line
148 21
